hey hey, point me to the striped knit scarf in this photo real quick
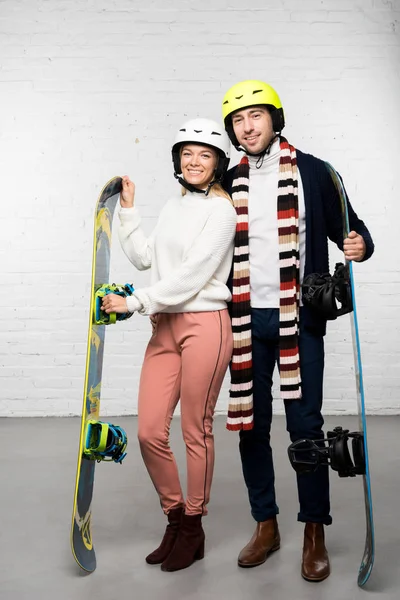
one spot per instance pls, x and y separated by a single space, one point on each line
240 412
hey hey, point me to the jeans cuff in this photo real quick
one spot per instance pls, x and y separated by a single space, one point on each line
305 519
261 517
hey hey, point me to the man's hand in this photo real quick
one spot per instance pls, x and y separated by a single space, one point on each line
113 303
354 247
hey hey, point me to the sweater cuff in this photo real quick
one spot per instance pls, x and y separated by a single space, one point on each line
128 215
133 303
143 301
369 250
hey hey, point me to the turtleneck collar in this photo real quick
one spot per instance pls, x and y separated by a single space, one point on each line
196 197
269 159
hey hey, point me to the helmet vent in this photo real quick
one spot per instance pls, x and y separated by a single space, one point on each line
256 91
183 129
238 97
226 102
215 133
198 130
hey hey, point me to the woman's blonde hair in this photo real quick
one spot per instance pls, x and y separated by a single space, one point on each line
216 190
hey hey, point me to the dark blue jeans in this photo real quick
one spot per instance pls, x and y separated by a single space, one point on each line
303 420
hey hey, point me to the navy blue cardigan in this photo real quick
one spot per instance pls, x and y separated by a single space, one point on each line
323 221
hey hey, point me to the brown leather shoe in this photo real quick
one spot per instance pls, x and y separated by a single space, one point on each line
265 540
315 564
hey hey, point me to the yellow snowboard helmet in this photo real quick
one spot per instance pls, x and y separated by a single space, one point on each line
251 93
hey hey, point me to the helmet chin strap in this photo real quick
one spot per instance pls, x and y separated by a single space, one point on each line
261 155
193 188
267 150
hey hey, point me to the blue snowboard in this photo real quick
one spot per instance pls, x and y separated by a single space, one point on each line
369 550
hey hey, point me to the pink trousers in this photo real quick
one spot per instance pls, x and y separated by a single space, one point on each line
186 360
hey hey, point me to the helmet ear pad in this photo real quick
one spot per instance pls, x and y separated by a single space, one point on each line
222 166
176 158
278 122
278 119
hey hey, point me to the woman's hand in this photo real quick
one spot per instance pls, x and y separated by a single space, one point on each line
127 196
113 303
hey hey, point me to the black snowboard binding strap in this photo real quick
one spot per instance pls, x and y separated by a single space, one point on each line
307 455
329 295
102 318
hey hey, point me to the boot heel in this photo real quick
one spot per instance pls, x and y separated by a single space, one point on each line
199 552
275 547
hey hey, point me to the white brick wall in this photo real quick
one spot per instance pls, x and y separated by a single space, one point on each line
94 88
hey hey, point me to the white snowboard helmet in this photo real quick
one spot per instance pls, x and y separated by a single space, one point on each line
207 133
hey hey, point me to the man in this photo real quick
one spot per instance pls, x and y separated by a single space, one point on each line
287 208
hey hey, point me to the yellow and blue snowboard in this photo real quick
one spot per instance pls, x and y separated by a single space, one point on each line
98 441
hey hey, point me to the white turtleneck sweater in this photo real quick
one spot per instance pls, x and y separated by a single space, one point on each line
263 229
190 254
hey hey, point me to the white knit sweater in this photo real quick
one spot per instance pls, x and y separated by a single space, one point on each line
190 254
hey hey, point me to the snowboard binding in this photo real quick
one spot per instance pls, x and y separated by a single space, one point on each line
102 318
329 295
104 441
307 455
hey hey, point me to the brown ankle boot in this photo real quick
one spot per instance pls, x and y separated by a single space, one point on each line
168 541
315 563
189 545
265 540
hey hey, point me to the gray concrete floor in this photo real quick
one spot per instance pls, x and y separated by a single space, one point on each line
38 462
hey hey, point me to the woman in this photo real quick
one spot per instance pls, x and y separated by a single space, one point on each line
190 255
